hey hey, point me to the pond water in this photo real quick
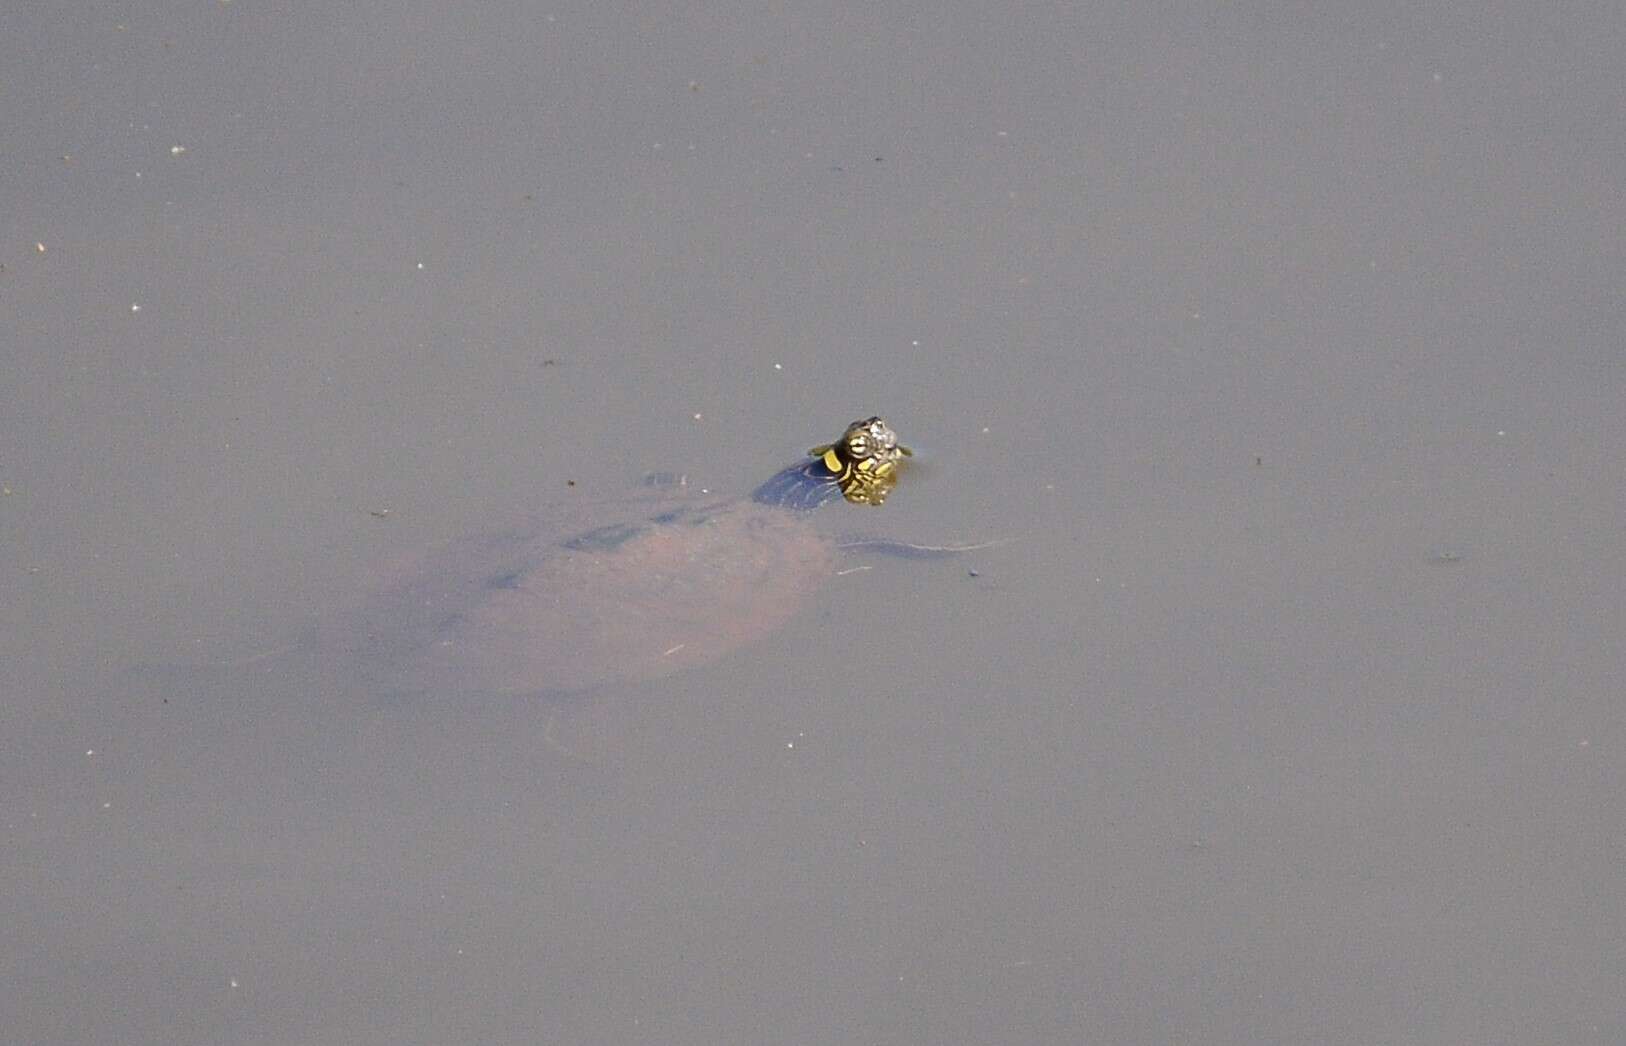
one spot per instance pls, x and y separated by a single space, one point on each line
1281 358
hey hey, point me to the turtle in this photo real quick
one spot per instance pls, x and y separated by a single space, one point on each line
625 591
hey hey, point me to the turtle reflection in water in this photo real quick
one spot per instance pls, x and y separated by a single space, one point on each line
630 591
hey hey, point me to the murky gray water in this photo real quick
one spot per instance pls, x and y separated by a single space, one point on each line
1286 351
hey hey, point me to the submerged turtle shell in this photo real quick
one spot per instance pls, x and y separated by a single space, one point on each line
620 592
547 609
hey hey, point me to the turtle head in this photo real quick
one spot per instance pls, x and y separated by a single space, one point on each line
862 466
864 461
